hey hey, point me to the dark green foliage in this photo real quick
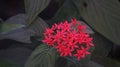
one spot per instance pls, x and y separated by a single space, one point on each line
105 61
102 45
4 63
42 56
102 15
66 12
33 8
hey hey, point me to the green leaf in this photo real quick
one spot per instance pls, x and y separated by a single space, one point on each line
103 16
19 33
36 40
13 23
66 12
38 26
106 62
23 34
17 19
8 27
43 56
73 61
34 7
4 63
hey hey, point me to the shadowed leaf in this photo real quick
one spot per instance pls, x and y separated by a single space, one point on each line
19 33
103 16
38 26
43 56
66 12
22 34
34 7
8 27
106 62
4 63
102 45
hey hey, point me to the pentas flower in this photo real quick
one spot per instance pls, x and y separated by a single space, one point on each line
81 53
69 39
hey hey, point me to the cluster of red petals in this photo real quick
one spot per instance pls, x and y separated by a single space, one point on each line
70 39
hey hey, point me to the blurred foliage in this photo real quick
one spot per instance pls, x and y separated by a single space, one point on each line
16 32
43 56
34 7
101 15
7 27
102 45
106 61
4 63
38 26
66 12
15 28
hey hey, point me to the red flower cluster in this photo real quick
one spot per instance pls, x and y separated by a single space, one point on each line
70 39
